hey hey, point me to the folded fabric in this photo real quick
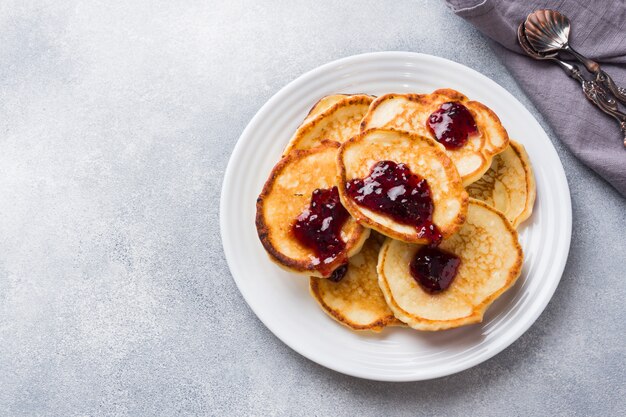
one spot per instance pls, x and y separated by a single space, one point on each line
598 32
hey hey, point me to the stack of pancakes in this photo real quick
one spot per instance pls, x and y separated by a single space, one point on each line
481 192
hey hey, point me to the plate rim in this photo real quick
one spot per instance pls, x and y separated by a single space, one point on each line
227 246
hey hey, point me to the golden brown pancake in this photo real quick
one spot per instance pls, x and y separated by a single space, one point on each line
335 118
509 185
424 157
356 301
491 261
286 194
411 111
323 104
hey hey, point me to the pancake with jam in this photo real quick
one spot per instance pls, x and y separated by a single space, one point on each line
509 185
469 131
336 118
436 288
299 218
402 185
356 300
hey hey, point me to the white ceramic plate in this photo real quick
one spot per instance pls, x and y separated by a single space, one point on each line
282 301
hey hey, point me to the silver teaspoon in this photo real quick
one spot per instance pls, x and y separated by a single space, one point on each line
548 31
595 93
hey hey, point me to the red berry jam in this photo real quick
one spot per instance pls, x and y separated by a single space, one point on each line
319 229
393 190
339 273
434 269
452 124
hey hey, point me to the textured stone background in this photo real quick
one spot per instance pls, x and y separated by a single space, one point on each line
117 120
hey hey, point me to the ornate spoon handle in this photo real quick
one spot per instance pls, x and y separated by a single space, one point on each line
601 76
598 96
619 92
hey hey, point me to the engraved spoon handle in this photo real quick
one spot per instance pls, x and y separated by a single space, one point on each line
597 95
601 76
607 81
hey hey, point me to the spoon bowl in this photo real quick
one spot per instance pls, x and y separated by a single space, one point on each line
528 49
571 70
547 30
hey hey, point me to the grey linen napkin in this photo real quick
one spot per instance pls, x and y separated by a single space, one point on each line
598 32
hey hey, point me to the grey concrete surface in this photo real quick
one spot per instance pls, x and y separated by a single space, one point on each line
117 120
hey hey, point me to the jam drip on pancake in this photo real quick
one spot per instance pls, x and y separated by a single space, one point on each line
434 269
319 229
393 190
452 124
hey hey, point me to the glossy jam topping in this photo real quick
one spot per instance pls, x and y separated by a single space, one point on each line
319 229
434 269
339 273
393 190
452 124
